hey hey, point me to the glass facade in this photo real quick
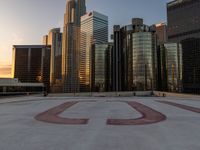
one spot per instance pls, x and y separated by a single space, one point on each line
99 67
171 67
183 26
54 39
183 19
191 67
32 64
94 30
116 60
71 45
138 56
142 65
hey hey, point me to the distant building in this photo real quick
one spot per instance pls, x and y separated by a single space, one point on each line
109 67
161 33
136 43
71 45
184 26
116 60
94 30
170 68
9 86
54 39
100 67
31 63
183 18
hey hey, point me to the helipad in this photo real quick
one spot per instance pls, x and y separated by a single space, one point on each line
99 123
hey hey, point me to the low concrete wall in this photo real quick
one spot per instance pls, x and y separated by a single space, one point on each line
104 94
181 95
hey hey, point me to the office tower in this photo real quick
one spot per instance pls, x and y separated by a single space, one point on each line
101 67
183 26
94 30
109 69
137 43
71 45
170 67
116 77
161 37
161 33
183 18
54 39
31 63
191 65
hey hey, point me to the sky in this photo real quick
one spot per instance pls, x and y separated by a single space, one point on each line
26 21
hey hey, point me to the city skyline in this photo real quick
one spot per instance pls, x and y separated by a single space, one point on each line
30 26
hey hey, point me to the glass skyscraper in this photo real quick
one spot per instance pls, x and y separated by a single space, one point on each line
138 56
170 78
183 18
94 30
71 45
54 39
184 26
99 67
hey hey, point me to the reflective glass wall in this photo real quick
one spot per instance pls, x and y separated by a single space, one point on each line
139 57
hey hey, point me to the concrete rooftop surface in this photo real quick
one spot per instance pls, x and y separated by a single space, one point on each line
100 123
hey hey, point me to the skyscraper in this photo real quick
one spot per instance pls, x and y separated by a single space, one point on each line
94 30
71 45
184 26
170 68
99 67
116 63
183 18
54 39
137 43
161 33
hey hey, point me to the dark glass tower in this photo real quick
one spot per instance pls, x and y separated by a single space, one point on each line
134 57
54 39
116 60
32 63
71 45
184 27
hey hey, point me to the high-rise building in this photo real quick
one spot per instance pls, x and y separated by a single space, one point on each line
54 39
161 37
116 63
31 63
170 68
183 26
101 67
94 30
161 33
71 45
138 56
183 18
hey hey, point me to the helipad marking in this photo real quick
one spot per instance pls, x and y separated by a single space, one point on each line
190 108
52 115
149 116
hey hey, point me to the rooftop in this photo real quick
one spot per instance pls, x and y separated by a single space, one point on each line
100 123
